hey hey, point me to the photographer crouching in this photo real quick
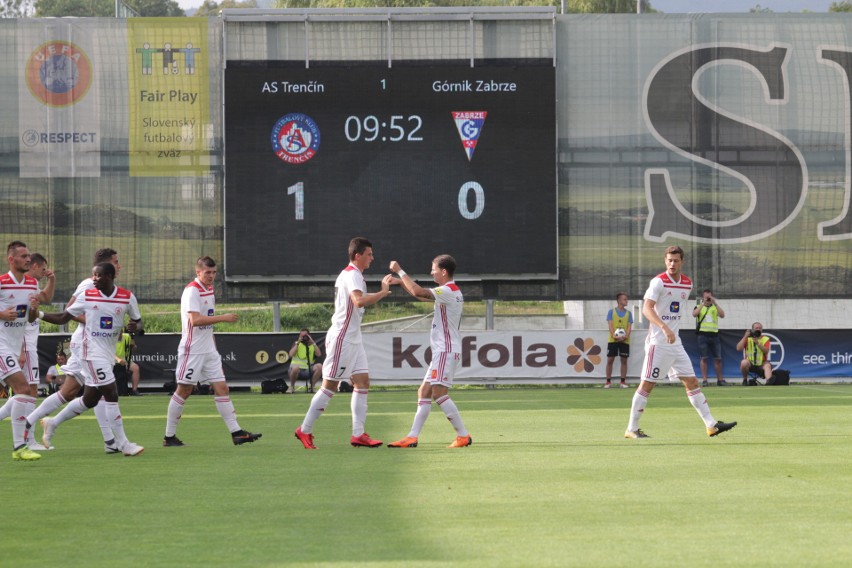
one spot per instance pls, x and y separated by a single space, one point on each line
755 348
303 363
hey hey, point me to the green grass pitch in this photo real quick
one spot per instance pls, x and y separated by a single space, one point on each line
549 481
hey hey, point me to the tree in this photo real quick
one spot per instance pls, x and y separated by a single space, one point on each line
211 9
15 8
105 8
758 9
573 6
844 6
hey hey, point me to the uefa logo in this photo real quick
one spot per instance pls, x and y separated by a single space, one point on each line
295 138
58 73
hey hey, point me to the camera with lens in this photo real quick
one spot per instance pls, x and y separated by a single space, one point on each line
755 333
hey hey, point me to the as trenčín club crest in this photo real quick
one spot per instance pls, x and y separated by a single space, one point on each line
59 73
295 138
469 125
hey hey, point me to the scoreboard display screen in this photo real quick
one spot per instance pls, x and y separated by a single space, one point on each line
421 160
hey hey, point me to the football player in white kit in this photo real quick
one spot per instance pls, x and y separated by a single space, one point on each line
345 359
445 341
104 307
198 360
17 291
74 366
666 300
29 355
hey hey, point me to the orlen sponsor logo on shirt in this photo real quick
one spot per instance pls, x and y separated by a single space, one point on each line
488 355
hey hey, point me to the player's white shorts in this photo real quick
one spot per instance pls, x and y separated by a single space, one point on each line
199 368
74 366
97 373
666 362
344 359
31 371
8 364
442 369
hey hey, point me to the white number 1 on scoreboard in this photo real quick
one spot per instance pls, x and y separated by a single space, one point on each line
299 191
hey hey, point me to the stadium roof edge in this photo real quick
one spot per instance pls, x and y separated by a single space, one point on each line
385 14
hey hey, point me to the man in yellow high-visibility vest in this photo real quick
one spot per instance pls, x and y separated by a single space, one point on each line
755 347
707 314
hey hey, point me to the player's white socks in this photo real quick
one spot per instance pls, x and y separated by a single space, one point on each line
103 420
227 412
6 410
72 409
699 402
116 424
359 410
174 413
424 407
452 412
46 407
318 405
21 406
640 400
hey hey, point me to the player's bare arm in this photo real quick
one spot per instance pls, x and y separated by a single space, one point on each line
409 284
79 319
58 318
361 300
198 320
46 294
133 326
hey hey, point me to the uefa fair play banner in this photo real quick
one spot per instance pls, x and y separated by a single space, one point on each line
168 96
58 97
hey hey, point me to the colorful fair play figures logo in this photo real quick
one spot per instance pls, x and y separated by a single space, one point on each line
168 55
295 138
58 73
469 125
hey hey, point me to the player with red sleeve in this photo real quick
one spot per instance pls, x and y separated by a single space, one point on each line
666 301
198 360
17 290
445 341
104 307
345 358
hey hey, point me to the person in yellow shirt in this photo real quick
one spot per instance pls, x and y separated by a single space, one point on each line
618 345
755 347
123 353
707 314
303 361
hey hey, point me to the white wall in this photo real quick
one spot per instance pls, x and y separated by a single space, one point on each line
739 314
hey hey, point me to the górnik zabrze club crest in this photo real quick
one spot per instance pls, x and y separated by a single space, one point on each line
295 138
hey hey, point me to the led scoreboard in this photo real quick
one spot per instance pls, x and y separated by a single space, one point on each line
421 160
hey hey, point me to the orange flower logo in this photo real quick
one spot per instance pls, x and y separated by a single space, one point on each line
584 355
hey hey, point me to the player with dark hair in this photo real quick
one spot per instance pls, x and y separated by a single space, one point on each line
345 358
29 354
198 361
70 389
445 341
665 357
17 290
104 308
